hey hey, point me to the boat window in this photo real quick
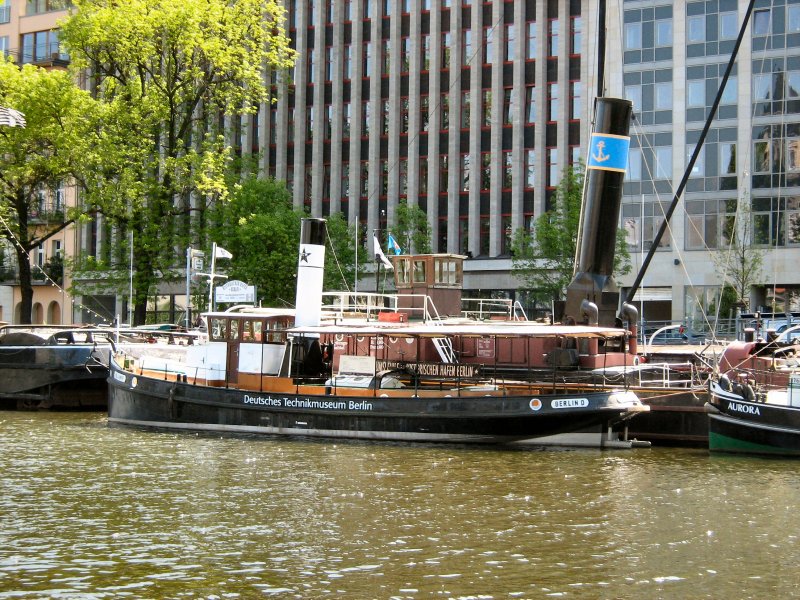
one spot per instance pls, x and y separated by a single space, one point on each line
274 331
403 271
257 326
217 328
234 333
446 272
419 271
247 331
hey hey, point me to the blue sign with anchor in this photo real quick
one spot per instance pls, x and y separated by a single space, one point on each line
609 152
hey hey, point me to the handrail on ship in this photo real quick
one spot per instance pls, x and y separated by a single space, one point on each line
368 305
339 305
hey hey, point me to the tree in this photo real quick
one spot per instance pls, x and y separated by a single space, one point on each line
740 263
411 230
166 72
544 258
38 159
261 229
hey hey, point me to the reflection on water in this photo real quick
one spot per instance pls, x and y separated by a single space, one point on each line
89 511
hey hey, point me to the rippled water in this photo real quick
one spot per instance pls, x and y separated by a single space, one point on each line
89 511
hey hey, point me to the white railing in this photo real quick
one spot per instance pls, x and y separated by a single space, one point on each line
490 308
367 305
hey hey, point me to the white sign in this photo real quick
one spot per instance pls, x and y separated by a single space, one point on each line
235 291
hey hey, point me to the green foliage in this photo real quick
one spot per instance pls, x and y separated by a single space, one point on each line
259 226
50 150
411 229
262 231
164 72
544 258
740 264
54 268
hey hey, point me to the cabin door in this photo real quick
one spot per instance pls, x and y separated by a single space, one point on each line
233 362
233 352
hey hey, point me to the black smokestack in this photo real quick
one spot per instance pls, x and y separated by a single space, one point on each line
597 235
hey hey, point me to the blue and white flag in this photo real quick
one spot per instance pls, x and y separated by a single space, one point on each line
380 257
394 246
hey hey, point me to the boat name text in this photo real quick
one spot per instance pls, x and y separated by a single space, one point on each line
431 369
286 402
570 403
744 408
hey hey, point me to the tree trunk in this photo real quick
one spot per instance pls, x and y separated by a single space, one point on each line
25 286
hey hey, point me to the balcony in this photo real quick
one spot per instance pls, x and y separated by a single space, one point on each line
46 213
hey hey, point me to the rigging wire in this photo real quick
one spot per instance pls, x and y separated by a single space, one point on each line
47 277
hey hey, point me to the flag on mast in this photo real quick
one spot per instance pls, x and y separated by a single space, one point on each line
220 252
394 246
379 255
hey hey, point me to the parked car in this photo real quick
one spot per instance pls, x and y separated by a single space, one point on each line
792 335
667 337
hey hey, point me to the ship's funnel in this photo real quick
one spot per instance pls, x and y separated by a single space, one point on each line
597 234
310 271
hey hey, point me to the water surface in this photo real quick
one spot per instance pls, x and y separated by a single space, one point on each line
91 511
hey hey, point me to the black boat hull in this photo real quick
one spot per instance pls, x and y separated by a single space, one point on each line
738 426
53 377
675 418
144 401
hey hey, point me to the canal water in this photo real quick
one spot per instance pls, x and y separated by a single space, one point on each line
92 511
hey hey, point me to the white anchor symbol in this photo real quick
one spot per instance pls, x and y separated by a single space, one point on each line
600 157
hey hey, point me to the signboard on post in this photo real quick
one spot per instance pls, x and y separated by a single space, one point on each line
235 291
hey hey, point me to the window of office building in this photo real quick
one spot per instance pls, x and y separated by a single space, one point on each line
511 42
663 162
728 25
642 221
530 45
444 170
530 168
465 171
486 171
634 172
466 47
793 18
634 94
633 36
696 29
709 223
663 33
487 108
488 45
530 104
552 38
576 39
762 20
